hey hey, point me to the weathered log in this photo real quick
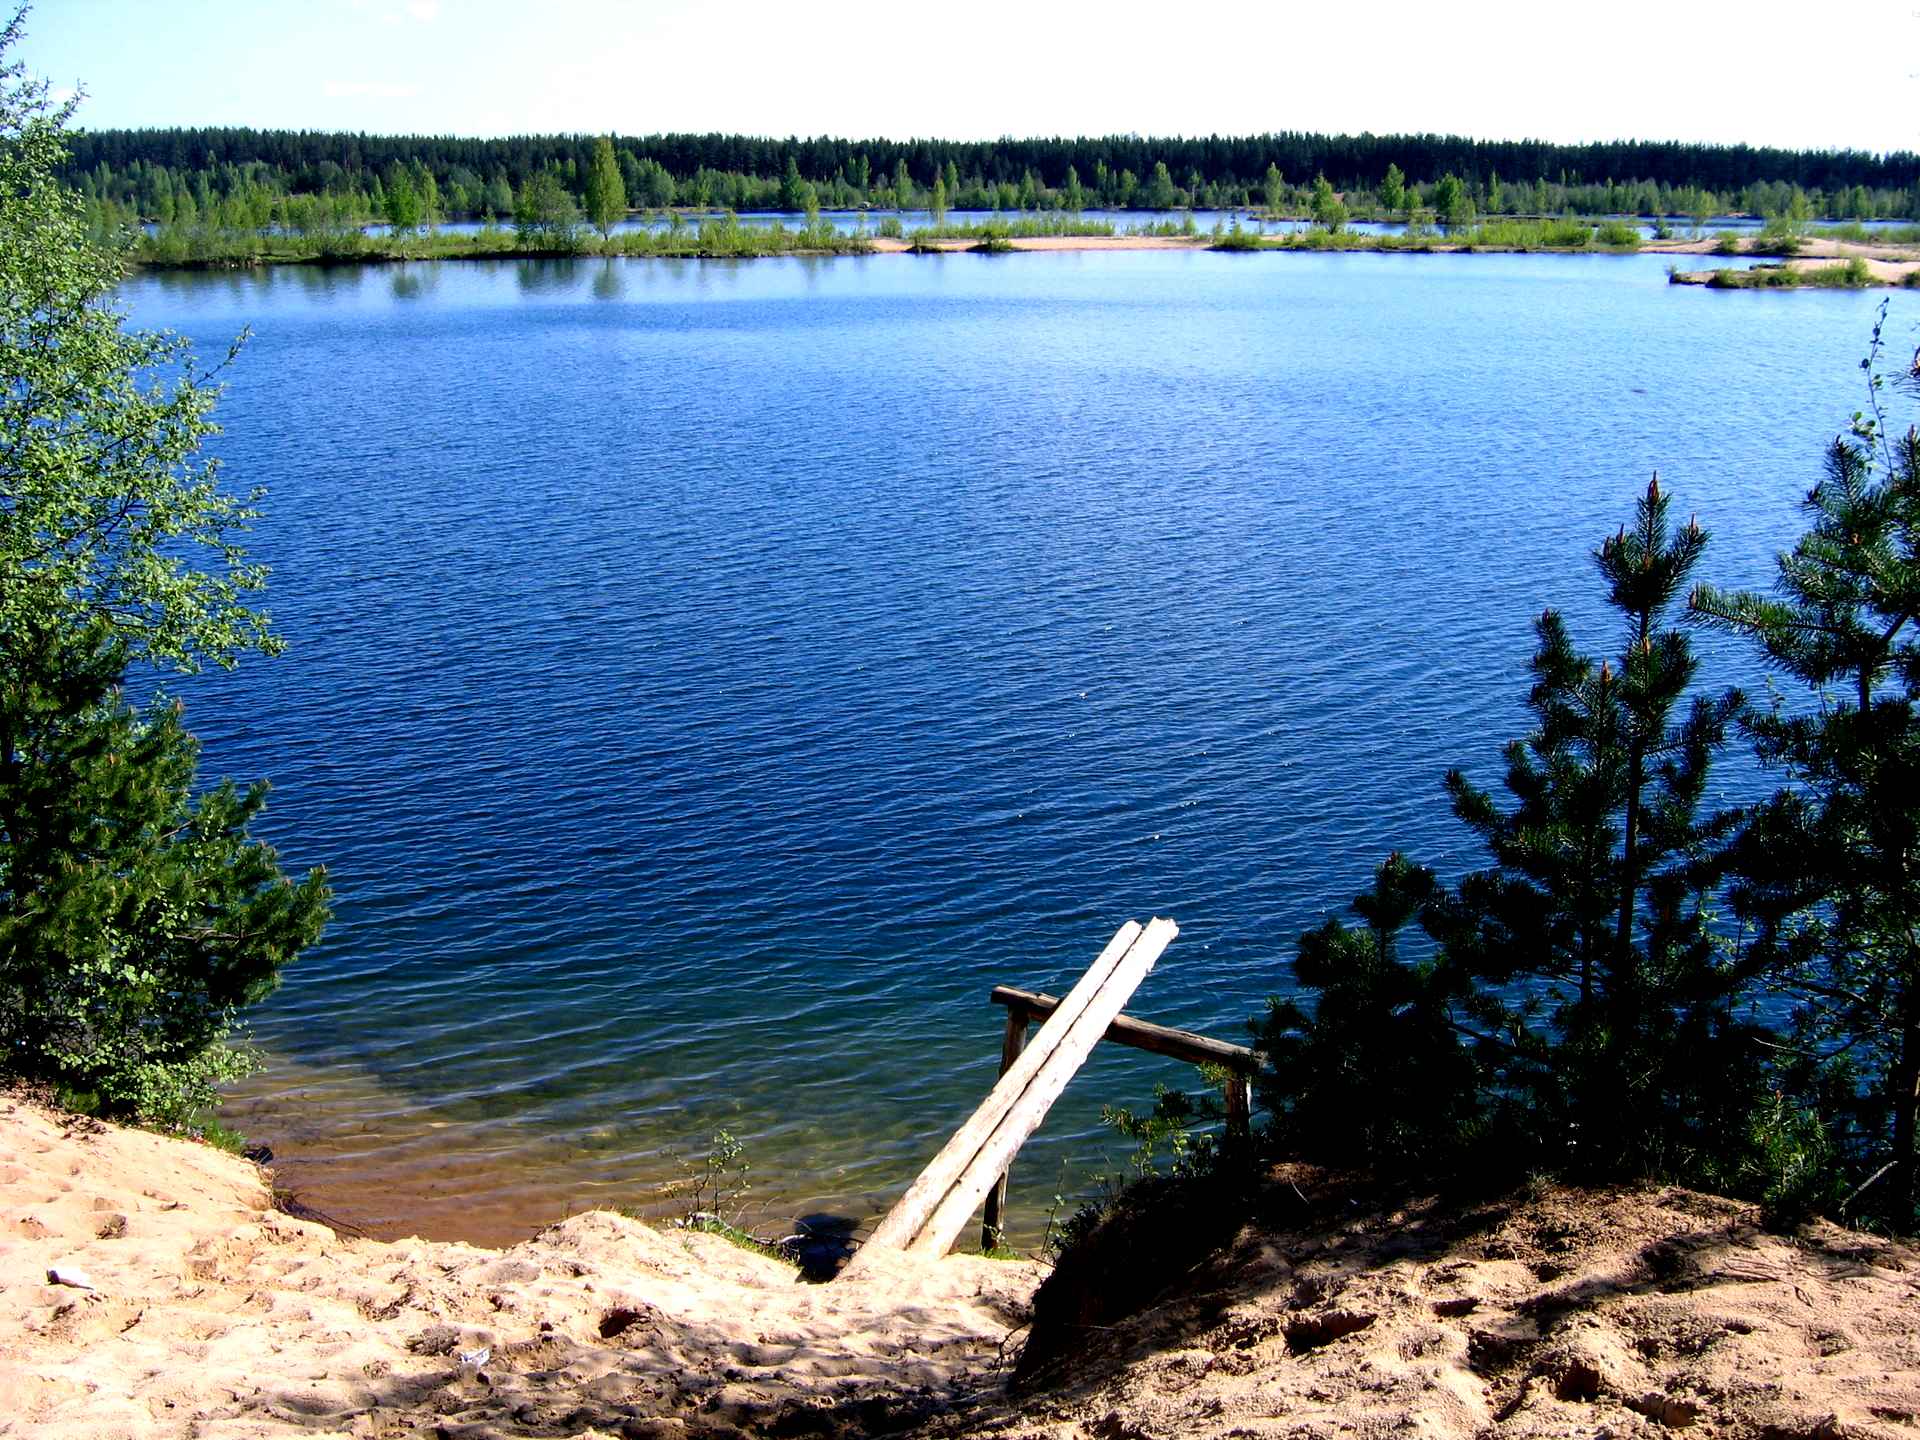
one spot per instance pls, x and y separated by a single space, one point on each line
1140 1034
904 1221
1063 1060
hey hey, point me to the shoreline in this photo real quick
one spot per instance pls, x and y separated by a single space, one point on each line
1885 266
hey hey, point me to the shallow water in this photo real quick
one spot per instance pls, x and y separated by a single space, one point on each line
706 680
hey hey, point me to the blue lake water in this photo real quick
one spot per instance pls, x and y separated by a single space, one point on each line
706 680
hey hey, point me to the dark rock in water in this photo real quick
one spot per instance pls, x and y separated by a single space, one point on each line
259 1154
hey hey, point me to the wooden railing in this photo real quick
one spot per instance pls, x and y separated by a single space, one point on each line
972 1166
1026 1007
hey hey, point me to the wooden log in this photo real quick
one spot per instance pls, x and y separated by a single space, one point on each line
1011 1045
904 1221
996 1153
1165 1040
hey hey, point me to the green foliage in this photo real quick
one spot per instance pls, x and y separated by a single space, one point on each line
1727 242
715 1192
1376 1073
1235 238
1785 230
1826 868
1329 211
1173 1128
136 920
1451 202
726 238
1757 277
1276 190
107 510
1393 190
1159 193
1589 942
150 172
1529 235
1023 227
606 189
545 217
1574 1010
220 1137
1849 274
404 210
1787 1163
716 1186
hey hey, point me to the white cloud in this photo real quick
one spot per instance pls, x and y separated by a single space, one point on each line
425 11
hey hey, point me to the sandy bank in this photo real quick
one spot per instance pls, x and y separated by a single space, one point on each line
882 245
1562 1313
212 1314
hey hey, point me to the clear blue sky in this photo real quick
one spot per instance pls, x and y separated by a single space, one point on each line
1765 72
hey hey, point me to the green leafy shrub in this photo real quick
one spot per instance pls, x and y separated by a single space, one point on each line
1238 239
137 918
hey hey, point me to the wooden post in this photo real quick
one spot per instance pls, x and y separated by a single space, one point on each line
949 1217
1239 1109
1010 1047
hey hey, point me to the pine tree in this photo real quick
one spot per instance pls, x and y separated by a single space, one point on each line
1573 1009
1160 194
793 189
1375 1075
136 919
1827 873
1595 979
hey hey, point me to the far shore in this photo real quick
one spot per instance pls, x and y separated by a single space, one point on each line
1883 265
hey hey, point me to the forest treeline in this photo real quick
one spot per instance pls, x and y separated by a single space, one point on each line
146 171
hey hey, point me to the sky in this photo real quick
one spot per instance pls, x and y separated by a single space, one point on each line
1764 73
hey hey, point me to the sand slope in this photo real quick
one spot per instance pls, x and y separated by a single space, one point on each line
1559 1313
1632 1312
214 1315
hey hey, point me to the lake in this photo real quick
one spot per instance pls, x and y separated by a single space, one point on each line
706 680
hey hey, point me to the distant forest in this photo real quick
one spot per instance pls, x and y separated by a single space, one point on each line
144 171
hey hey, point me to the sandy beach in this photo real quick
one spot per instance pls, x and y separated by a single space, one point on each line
1889 265
153 1288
